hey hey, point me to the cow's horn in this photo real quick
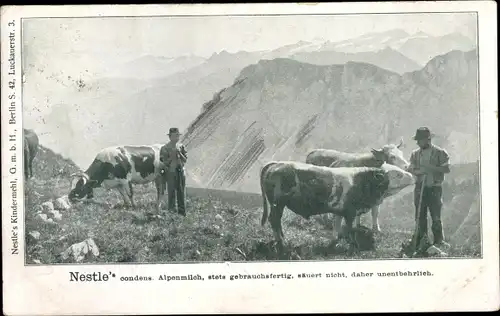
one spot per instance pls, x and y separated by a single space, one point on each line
401 143
77 174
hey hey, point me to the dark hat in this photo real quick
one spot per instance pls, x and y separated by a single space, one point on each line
423 133
173 130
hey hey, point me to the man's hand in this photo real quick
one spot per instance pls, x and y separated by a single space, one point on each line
183 158
427 169
418 172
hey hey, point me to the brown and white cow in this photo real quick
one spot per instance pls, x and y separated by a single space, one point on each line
390 154
120 167
30 150
309 190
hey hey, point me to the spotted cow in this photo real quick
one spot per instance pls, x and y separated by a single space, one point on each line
309 190
390 154
120 167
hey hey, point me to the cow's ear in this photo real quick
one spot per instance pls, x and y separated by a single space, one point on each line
92 183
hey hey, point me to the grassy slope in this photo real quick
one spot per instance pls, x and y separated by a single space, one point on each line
126 235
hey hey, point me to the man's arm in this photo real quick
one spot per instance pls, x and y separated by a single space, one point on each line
443 163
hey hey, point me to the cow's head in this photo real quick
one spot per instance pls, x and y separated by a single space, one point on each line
398 179
391 154
83 186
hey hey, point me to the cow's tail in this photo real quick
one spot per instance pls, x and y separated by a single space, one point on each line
265 213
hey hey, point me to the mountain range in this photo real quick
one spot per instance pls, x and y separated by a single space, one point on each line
157 92
282 108
412 49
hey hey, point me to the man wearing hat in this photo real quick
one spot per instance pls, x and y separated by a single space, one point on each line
174 156
429 163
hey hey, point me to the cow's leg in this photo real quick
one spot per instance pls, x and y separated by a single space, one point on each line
375 223
130 193
337 224
31 167
90 195
122 193
349 220
159 192
123 189
275 219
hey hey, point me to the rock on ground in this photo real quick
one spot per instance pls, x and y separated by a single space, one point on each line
56 215
81 250
33 237
35 234
47 206
45 218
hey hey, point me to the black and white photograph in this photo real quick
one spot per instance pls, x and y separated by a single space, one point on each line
248 138
147 143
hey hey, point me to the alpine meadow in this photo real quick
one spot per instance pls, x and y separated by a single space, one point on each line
237 111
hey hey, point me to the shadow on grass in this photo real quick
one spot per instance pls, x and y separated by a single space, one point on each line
267 250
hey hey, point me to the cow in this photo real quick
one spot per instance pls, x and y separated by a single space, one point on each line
309 190
120 167
31 143
390 154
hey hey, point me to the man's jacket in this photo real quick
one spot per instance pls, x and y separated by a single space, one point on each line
438 158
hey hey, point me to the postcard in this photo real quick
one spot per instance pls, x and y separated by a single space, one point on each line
250 158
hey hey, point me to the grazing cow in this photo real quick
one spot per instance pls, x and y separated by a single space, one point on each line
309 190
390 154
119 167
30 151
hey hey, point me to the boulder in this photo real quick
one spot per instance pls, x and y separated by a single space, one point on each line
33 237
47 206
34 234
38 209
56 215
45 218
81 250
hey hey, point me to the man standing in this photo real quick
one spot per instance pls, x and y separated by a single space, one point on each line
429 163
174 156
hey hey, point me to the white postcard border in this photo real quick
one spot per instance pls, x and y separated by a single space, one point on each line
456 285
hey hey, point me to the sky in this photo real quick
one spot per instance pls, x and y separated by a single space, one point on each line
98 43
